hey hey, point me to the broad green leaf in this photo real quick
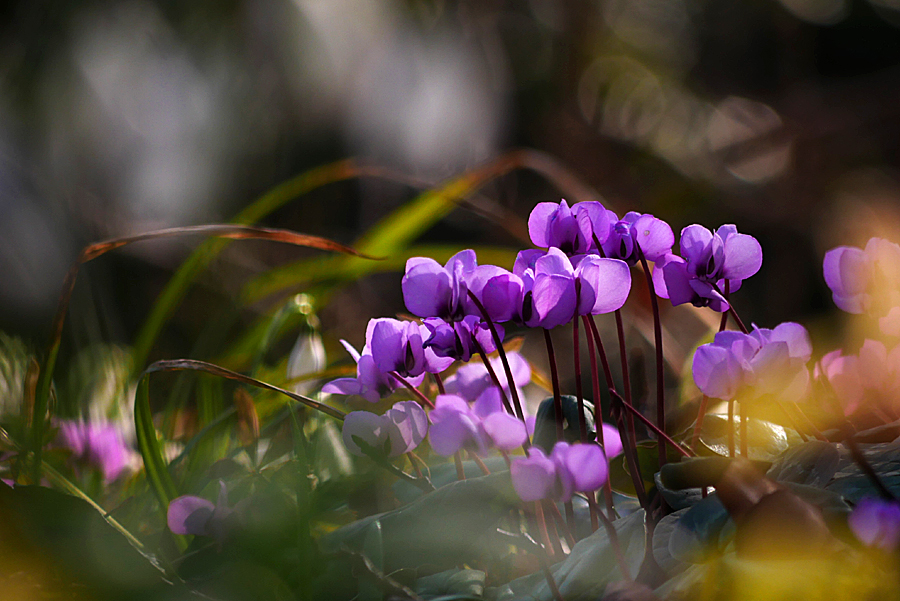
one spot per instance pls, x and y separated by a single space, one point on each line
766 441
813 463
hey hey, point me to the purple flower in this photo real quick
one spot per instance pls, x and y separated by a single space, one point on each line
460 339
508 296
100 445
562 291
400 346
569 469
653 236
708 260
369 383
455 425
872 377
195 515
876 523
752 365
473 383
431 290
400 430
570 230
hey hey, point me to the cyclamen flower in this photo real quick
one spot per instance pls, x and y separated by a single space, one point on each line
586 285
400 430
370 383
455 425
867 281
195 515
430 290
653 236
876 523
873 375
100 445
508 296
752 365
570 230
400 346
569 469
708 260
460 339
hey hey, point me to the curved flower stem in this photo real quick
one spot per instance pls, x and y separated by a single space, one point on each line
847 431
626 377
724 322
474 457
457 460
560 523
439 382
554 376
493 375
731 310
663 437
660 368
629 449
499 343
598 418
416 392
579 393
745 453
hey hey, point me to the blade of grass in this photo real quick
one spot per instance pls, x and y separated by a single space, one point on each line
239 232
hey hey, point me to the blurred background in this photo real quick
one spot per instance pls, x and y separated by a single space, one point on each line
119 117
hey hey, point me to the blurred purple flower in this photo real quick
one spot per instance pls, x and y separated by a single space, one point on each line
860 280
432 290
869 378
584 285
455 425
876 523
195 515
570 230
400 430
652 235
708 260
473 383
458 339
756 364
100 445
569 469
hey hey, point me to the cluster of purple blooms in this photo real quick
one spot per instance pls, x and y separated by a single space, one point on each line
583 268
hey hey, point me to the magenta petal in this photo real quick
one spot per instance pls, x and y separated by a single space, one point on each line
533 477
451 432
539 223
426 288
743 257
612 441
715 372
411 426
876 523
610 280
654 236
847 274
189 515
554 300
695 239
506 431
344 386
587 465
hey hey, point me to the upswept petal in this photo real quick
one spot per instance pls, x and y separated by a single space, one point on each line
715 372
588 466
743 257
426 288
654 236
610 282
506 431
533 476
539 223
554 300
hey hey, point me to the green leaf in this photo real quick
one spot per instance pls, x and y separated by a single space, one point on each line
698 530
766 441
813 463
452 584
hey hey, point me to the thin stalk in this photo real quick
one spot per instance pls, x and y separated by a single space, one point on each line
494 378
731 310
460 472
439 382
663 437
545 533
628 449
660 368
499 343
598 417
561 525
593 336
579 394
416 392
474 457
554 376
724 323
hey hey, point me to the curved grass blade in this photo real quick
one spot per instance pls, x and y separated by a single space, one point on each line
237 232
270 201
337 269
